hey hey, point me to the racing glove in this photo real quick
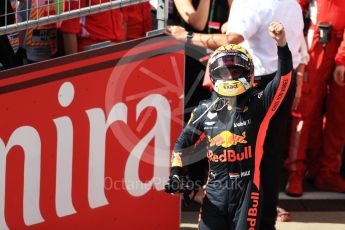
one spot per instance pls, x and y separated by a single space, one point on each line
181 185
174 185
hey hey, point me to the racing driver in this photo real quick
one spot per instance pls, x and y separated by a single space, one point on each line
234 120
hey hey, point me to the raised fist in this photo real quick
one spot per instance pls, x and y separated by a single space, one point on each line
277 32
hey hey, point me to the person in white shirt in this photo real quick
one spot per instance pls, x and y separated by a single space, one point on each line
248 20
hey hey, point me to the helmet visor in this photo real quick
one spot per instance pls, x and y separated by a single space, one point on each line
229 67
225 73
233 73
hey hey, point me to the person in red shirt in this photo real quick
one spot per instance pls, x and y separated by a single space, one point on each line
138 20
78 33
324 77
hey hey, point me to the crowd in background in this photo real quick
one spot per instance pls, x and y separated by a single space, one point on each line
313 146
70 36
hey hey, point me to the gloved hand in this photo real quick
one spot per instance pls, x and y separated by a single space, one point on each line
174 185
182 185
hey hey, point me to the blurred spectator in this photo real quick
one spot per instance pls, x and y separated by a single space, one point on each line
8 43
325 72
203 16
304 59
246 25
14 37
138 20
40 43
79 33
206 17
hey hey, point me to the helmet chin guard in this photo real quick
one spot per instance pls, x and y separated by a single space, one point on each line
231 70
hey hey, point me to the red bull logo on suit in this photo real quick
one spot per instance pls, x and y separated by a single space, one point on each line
230 155
227 139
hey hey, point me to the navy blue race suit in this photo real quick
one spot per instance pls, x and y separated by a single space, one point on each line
235 137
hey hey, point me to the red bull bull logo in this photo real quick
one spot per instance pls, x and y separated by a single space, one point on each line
230 155
227 139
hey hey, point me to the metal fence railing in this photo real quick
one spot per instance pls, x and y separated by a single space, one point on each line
60 14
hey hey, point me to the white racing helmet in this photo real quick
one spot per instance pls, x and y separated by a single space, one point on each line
231 70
